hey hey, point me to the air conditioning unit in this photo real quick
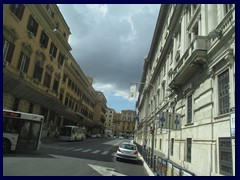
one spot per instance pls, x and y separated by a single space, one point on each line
31 34
5 63
22 74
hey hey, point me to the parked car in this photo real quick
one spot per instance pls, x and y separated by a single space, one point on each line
93 135
128 151
98 135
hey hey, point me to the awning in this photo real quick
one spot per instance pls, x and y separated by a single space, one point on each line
22 89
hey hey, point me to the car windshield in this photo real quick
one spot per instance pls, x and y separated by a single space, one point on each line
128 146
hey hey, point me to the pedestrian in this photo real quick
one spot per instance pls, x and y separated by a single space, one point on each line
145 143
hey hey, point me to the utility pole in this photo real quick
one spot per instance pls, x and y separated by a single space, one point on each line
152 130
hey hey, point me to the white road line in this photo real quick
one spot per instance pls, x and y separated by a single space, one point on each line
87 150
78 149
104 153
113 154
95 152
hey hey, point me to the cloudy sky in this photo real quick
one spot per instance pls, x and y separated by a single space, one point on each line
109 42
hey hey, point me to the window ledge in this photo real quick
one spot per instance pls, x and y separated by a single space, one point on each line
189 124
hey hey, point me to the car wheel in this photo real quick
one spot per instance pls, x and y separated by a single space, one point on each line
117 159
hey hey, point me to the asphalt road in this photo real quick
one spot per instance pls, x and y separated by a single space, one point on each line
91 157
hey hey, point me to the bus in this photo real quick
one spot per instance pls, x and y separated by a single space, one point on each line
72 133
21 131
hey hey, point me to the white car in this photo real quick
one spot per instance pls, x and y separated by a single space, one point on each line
128 151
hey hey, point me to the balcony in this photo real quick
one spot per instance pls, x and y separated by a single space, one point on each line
192 60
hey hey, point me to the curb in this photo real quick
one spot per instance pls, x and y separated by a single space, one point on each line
149 171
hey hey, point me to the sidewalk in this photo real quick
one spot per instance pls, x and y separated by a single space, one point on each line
149 170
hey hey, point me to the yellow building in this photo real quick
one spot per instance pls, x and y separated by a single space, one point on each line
128 122
39 73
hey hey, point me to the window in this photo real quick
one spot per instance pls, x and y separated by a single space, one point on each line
163 91
223 90
47 80
44 40
160 144
55 85
23 63
44 112
64 78
225 156
17 10
53 50
60 59
49 10
37 74
189 149
66 101
172 144
15 104
8 51
61 95
30 110
32 25
189 109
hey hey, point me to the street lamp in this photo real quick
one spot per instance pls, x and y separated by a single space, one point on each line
152 129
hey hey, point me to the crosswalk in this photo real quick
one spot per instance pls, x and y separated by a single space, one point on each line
76 149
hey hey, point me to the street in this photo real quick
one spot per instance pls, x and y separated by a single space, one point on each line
91 157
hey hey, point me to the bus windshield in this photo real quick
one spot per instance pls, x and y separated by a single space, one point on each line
21 131
65 131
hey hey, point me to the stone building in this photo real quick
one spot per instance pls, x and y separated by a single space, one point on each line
128 118
187 91
40 75
109 121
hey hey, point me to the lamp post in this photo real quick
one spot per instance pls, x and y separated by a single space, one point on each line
152 129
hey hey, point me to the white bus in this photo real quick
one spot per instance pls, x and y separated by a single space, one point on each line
21 131
72 133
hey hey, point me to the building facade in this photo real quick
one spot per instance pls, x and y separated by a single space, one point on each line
40 74
109 122
128 118
187 91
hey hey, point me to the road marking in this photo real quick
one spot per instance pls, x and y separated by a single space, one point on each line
104 153
113 154
95 152
78 149
87 150
106 171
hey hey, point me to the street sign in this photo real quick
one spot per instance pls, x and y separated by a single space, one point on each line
163 120
232 124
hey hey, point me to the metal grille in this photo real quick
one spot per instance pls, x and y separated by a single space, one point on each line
223 90
225 156
189 149
189 109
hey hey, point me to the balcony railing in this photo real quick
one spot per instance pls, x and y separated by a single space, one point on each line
194 55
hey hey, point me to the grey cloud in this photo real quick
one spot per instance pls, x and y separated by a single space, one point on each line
98 45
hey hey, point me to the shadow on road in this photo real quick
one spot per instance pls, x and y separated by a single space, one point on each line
138 162
31 154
